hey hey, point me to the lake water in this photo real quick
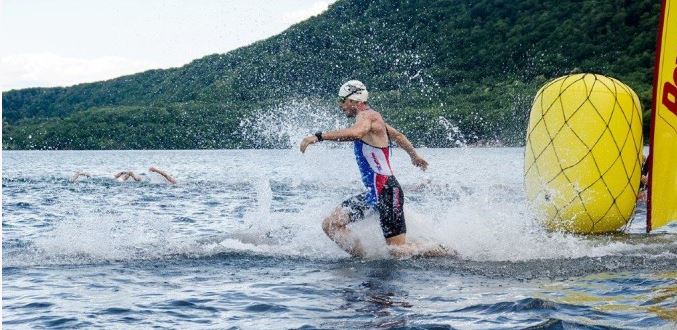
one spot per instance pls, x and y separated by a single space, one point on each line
237 243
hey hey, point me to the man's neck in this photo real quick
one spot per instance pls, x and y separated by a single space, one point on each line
363 107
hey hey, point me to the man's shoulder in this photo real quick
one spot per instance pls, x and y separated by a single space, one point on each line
371 114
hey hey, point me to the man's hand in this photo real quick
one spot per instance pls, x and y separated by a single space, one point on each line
419 162
641 196
308 140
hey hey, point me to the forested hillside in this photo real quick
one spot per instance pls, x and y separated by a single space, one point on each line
473 63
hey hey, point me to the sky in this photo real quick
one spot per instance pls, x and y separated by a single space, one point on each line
46 43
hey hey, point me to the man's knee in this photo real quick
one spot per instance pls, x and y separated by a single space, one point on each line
330 225
336 221
327 226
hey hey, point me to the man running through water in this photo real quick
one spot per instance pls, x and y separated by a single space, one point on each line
371 136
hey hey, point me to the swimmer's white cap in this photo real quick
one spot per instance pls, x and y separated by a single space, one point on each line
354 90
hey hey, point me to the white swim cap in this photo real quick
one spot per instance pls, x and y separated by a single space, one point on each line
354 90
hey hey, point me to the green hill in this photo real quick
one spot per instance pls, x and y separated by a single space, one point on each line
473 64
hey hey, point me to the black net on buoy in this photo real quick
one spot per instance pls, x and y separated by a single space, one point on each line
583 152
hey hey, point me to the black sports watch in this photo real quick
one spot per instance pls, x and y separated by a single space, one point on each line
319 136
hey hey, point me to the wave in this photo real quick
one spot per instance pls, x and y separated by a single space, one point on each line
496 252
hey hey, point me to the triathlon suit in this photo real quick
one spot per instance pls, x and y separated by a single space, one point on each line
383 194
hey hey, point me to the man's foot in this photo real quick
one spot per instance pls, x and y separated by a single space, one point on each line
409 250
438 251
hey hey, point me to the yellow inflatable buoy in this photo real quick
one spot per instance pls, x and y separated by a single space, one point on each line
583 154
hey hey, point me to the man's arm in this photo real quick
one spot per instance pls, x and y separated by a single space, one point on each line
357 131
163 173
405 144
119 174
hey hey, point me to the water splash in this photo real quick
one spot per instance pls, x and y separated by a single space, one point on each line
453 132
273 205
284 125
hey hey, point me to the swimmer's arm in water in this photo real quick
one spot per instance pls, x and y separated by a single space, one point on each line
79 174
357 131
134 176
405 144
163 173
125 175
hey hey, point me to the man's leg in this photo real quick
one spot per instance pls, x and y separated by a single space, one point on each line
400 247
400 239
336 227
391 213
